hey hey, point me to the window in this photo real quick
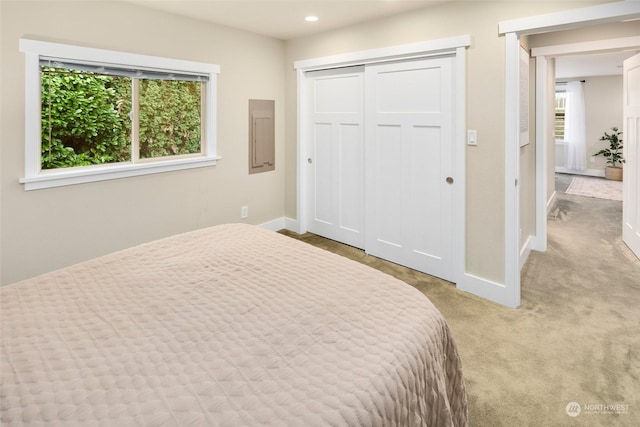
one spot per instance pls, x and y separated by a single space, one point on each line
94 114
560 110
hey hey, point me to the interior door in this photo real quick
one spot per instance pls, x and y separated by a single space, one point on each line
335 166
409 164
631 153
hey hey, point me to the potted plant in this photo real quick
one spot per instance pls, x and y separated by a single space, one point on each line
613 154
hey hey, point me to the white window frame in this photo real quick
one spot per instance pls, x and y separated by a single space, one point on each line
565 116
36 178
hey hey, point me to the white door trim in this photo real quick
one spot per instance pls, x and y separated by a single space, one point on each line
456 46
391 53
630 187
511 297
595 46
570 19
513 29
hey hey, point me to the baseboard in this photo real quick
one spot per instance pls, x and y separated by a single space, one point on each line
280 223
551 202
525 251
487 289
586 172
291 224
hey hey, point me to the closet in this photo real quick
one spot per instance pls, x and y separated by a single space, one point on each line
380 143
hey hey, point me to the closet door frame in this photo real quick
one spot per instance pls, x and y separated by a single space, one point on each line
455 46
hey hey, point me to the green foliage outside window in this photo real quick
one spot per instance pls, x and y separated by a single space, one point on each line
174 128
86 118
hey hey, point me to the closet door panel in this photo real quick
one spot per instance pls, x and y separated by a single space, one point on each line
336 164
408 157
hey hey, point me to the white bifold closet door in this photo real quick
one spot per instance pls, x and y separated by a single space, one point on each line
381 151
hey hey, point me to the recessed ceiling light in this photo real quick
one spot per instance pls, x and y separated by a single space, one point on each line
311 18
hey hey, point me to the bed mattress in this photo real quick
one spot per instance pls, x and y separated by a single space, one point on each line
226 326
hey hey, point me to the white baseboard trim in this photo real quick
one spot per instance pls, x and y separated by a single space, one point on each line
291 224
551 202
586 172
279 224
486 289
525 251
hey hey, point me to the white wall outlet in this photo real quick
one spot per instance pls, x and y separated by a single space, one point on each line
472 137
593 159
244 212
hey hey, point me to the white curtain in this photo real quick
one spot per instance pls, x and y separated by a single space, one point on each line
574 128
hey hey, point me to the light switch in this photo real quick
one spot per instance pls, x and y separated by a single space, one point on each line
472 137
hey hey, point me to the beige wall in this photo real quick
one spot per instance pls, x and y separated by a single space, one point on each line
485 103
603 110
46 229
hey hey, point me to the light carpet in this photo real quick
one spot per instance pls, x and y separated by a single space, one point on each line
599 188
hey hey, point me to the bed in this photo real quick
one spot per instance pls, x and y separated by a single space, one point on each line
231 325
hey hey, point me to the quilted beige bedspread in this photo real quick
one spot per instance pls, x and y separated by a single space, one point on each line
227 326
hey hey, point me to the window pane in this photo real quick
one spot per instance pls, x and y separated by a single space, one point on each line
85 118
561 99
169 117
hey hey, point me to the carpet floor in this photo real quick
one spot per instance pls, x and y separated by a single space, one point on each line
572 347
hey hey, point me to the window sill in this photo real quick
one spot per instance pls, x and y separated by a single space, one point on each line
59 178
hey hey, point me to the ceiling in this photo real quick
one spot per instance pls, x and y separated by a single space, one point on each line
591 65
284 19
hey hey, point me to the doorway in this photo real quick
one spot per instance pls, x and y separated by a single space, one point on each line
513 30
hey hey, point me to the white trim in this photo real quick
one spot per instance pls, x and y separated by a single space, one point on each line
512 172
102 56
551 203
586 172
290 224
525 251
301 170
35 178
539 242
456 46
458 251
595 46
32 121
392 53
273 225
96 173
282 223
600 14
485 288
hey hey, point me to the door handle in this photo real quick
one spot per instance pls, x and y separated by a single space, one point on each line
449 180
309 160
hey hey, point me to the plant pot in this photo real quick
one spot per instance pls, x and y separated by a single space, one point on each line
614 174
